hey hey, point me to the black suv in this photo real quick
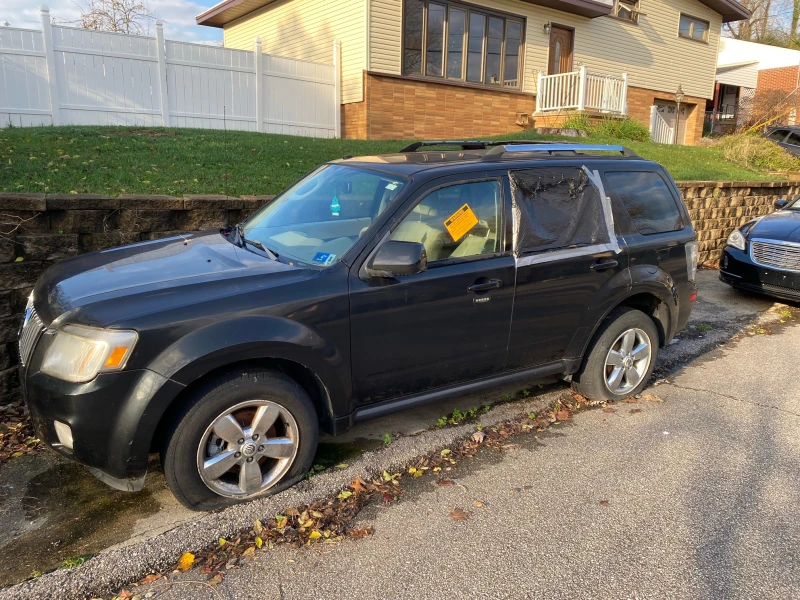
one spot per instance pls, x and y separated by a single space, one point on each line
374 284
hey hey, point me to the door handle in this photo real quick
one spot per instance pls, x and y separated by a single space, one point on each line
603 266
485 286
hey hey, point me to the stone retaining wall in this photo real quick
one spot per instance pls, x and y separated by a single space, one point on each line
716 208
38 230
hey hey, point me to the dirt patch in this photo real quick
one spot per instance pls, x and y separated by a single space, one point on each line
71 515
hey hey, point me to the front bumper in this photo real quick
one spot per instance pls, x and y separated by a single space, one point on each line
112 418
737 268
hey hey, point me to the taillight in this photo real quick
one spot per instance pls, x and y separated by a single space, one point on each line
692 249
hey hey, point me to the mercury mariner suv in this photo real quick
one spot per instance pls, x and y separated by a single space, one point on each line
372 285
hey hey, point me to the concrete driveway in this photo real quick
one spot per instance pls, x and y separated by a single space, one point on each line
53 511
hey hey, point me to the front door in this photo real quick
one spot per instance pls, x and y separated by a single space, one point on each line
450 323
560 50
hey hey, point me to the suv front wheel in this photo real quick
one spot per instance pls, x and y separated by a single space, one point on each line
620 359
246 435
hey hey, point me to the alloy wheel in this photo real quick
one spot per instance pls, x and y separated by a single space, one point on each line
247 449
627 361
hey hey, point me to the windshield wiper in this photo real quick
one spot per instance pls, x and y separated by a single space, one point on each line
255 243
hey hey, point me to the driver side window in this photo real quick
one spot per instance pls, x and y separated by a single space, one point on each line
456 221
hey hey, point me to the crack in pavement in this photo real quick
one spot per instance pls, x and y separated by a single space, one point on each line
734 398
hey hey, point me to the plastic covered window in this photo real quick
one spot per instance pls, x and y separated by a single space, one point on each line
557 209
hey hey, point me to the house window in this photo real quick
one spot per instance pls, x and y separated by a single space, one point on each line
692 28
453 41
627 10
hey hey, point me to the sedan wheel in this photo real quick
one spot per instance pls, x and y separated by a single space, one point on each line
627 361
247 449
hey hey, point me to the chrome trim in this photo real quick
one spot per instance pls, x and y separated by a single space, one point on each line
31 331
780 252
730 274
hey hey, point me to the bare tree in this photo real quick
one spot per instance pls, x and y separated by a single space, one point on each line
123 16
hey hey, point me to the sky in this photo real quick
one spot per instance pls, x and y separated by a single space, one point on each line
177 15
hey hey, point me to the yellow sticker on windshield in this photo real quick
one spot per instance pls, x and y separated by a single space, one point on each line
460 222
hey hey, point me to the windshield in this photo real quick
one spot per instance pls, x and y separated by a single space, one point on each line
794 205
320 218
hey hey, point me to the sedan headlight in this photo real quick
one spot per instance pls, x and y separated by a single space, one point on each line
737 240
79 353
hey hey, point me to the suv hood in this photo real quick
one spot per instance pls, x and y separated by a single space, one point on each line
783 225
170 264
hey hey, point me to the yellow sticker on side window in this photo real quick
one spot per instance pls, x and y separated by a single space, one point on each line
460 222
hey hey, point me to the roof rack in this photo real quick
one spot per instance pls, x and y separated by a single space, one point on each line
498 148
498 151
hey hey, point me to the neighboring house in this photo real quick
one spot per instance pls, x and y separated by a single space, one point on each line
753 80
451 69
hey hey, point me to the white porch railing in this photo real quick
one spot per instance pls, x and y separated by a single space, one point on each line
582 90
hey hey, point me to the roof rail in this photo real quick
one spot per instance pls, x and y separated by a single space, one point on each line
463 144
498 151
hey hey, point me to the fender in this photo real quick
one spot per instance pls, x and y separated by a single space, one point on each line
643 279
226 342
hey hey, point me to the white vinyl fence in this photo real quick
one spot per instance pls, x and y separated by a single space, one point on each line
70 76
660 131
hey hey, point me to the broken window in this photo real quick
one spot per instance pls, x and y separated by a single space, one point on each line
560 210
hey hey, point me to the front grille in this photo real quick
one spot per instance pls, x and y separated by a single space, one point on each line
29 335
781 289
776 255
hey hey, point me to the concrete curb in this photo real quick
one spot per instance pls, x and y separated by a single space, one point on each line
116 567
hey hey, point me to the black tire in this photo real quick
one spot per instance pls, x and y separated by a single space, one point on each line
179 456
590 380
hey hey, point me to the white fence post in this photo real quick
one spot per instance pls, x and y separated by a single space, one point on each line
163 87
259 65
539 91
624 98
582 88
653 123
50 58
337 88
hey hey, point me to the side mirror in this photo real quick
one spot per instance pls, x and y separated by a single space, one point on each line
781 203
394 259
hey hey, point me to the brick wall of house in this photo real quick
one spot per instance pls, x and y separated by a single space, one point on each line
407 109
772 89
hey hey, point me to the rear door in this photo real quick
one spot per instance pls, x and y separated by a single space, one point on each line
560 295
450 323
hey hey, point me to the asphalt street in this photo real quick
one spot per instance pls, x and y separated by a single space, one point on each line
693 497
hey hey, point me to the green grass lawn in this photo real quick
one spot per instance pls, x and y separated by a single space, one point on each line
113 160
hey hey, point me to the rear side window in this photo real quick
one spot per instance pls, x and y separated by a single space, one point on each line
648 200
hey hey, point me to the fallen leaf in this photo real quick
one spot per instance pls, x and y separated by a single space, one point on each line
250 551
314 535
603 502
124 595
651 398
608 409
387 497
478 437
459 514
359 532
387 477
512 446
222 541
563 415
636 410
259 542
280 521
216 579
258 528
344 495
342 466
185 561
478 504
150 579
445 452
631 400
445 482
358 486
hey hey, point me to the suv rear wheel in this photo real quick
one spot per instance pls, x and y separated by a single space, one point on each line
246 435
620 359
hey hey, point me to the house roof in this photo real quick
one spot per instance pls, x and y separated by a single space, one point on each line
228 10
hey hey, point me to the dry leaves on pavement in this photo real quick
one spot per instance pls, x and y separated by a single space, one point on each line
16 432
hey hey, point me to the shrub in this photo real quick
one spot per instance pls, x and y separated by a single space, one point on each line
753 151
622 129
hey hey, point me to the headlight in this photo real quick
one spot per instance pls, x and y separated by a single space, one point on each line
78 353
736 239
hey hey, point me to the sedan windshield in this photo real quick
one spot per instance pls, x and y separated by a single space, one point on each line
794 205
319 219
